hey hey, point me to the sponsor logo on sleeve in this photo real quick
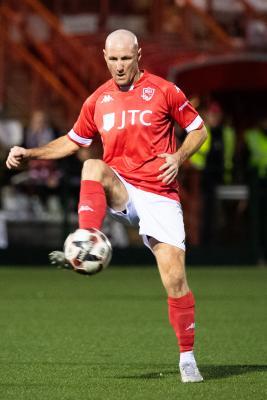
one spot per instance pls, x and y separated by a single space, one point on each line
183 105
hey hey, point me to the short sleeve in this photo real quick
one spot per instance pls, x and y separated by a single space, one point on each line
182 111
84 129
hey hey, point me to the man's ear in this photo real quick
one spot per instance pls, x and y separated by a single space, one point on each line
104 52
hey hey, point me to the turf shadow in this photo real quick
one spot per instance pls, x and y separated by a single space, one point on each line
149 375
211 372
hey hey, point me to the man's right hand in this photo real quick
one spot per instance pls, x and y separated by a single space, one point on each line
15 157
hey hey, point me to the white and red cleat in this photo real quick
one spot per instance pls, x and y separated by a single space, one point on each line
190 372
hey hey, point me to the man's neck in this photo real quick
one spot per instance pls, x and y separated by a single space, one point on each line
127 88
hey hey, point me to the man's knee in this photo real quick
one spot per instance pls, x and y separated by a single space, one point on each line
172 269
174 274
175 284
94 169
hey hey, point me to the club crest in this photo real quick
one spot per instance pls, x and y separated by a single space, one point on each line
148 93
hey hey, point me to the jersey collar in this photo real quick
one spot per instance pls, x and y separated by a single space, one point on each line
135 84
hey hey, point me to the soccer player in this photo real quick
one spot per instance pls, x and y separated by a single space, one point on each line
135 112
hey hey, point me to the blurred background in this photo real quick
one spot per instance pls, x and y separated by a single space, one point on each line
51 60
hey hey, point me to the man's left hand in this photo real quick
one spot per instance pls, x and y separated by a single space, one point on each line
170 167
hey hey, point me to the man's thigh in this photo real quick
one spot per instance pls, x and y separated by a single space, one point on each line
156 216
116 193
161 218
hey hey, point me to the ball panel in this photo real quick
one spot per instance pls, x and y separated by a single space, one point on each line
88 251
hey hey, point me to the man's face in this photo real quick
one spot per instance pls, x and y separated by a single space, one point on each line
122 62
214 119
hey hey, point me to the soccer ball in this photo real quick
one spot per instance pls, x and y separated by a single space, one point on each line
88 251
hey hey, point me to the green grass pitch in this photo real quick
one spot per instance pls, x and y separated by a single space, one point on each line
67 336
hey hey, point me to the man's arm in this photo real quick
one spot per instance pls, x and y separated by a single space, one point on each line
58 148
191 144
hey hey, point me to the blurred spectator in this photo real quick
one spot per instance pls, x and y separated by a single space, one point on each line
41 180
191 199
256 145
256 33
39 132
11 134
172 21
214 161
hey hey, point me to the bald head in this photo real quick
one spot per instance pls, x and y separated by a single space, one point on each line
121 38
122 56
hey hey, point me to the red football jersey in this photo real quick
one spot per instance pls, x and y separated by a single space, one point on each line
136 126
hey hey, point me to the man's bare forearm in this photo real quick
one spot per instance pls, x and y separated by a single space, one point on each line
191 144
58 148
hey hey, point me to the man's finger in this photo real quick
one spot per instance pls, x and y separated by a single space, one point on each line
168 172
164 174
168 179
163 155
12 163
163 166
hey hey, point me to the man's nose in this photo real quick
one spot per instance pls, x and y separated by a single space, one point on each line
120 66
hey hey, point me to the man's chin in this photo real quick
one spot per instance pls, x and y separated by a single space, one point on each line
122 82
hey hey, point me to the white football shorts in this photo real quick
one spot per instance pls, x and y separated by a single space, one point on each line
156 216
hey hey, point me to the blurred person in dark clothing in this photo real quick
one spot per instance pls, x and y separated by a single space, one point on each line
42 178
219 161
256 148
39 131
215 161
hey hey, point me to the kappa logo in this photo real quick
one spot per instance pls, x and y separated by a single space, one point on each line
84 208
107 99
148 93
191 326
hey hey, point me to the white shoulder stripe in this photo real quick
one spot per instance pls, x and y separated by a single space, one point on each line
78 138
195 124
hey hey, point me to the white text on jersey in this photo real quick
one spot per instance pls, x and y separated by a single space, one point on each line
129 117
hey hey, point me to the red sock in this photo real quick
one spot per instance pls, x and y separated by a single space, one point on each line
182 319
92 205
